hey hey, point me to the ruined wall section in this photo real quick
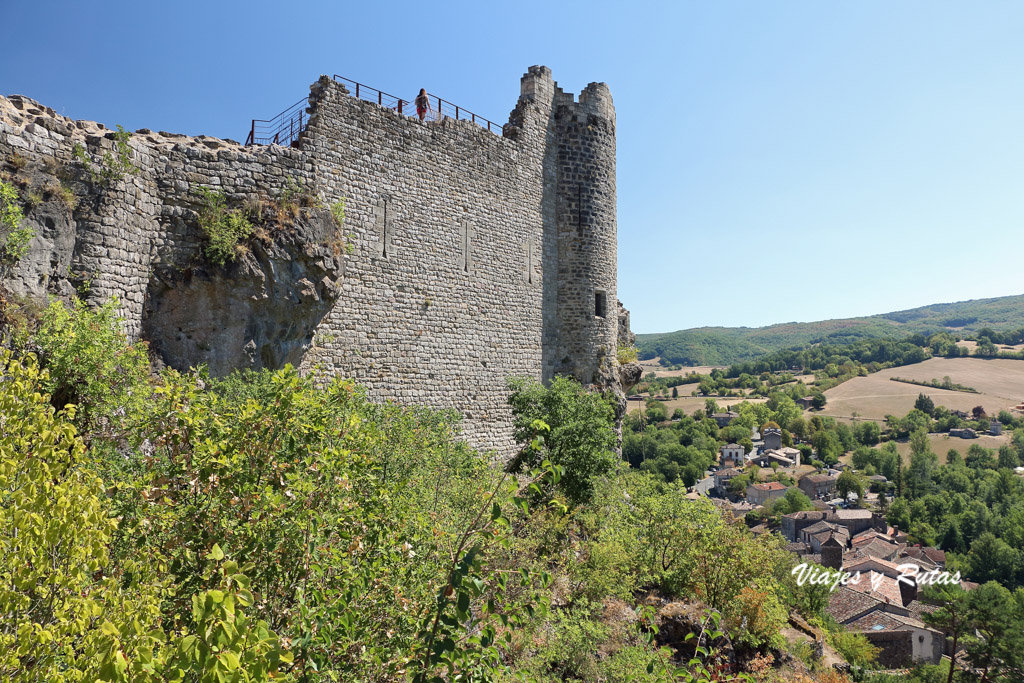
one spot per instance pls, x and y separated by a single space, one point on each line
441 297
124 232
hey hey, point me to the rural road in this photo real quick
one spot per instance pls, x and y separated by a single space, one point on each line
704 485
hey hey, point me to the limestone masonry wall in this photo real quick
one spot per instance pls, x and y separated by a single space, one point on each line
465 257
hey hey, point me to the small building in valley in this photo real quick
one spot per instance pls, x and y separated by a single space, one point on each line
763 493
820 486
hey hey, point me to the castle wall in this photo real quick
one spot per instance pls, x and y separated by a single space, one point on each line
470 257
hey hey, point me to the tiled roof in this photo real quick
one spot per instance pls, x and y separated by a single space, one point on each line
935 555
878 586
918 609
877 621
805 514
853 566
875 548
818 527
853 514
770 486
818 478
869 535
845 604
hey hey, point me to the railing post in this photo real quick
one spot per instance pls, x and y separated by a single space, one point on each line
357 91
399 105
380 98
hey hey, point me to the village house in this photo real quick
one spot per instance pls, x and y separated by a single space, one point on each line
731 455
723 419
818 486
855 521
902 640
783 457
818 533
722 479
772 438
762 494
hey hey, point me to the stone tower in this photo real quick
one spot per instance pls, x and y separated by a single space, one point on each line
832 553
580 241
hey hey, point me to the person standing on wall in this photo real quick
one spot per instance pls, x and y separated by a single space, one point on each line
422 103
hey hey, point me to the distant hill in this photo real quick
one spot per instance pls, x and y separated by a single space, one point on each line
727 345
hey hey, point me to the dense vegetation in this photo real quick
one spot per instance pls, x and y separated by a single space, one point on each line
263 527
726 346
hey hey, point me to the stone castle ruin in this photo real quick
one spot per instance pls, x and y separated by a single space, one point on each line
464 256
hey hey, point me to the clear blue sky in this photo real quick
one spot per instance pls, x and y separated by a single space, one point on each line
777 161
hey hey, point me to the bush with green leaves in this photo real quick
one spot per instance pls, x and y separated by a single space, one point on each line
578 433
90 362
68 612
16 237
114 165
225 229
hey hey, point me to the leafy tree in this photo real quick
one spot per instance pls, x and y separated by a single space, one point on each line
655 412
580 435
991 559
952 616
924 404
899 514
848 483
818 400
868 433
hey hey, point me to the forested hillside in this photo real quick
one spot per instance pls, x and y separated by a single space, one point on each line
728 345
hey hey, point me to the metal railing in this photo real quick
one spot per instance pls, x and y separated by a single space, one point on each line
438 108
284 129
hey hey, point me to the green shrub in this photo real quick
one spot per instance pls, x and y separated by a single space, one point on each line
91 363
568 425
67 613
114 166
16 238
627 353
224 229
854 647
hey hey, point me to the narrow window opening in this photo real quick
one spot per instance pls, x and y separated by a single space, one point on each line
600 304
384 232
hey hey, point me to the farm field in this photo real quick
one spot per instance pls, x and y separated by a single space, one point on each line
999 381
654 366
972 345
943 443
692 403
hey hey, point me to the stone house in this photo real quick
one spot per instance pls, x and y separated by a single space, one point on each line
763 493
731 455
772 439
723 477
723 419
820 486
